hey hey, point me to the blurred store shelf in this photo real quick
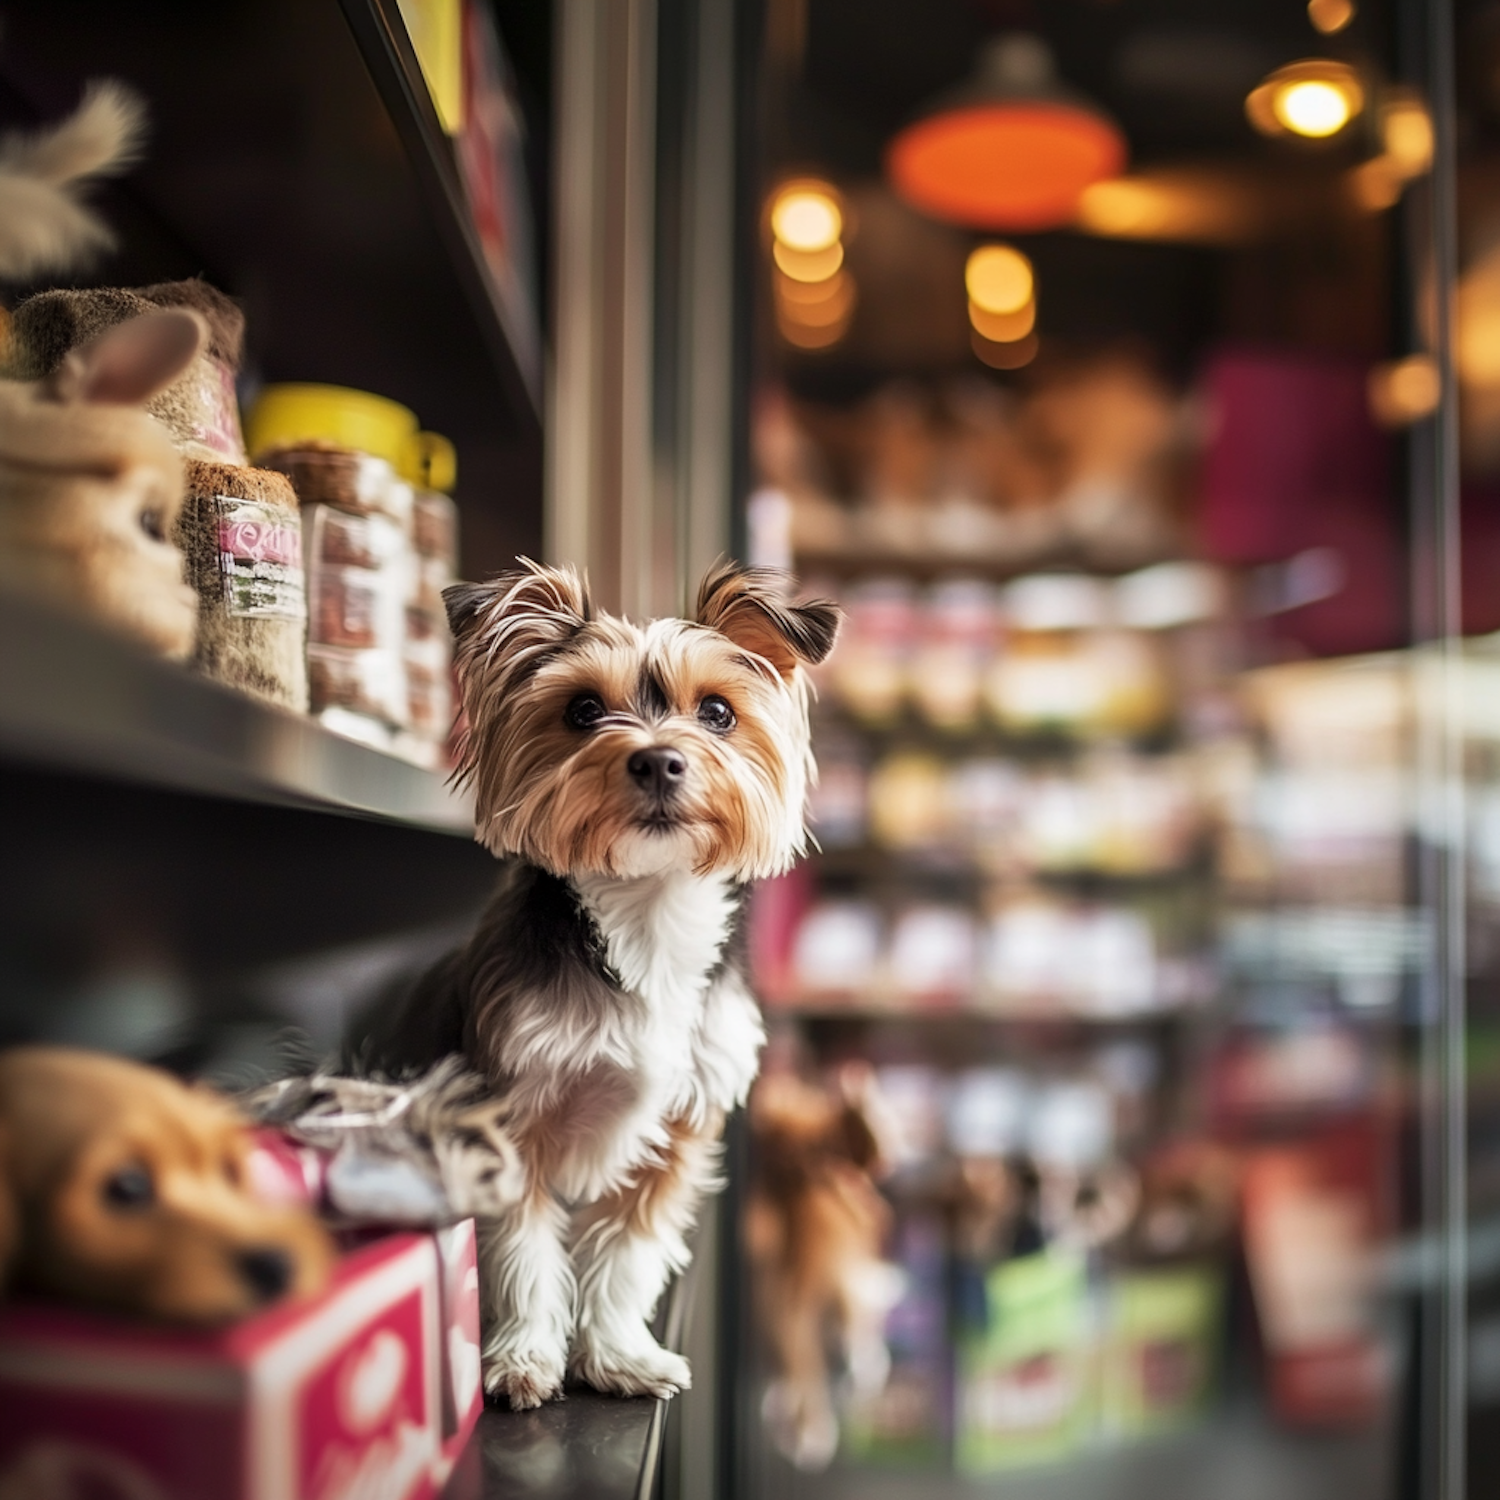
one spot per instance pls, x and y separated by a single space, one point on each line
72 696
1237 1453
958 1012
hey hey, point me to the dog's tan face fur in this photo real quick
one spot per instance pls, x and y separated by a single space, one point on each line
129 1190
564 702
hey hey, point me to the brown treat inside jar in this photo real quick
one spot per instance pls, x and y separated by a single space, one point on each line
240 531
323 474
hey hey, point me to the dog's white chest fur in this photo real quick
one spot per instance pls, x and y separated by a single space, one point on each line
682 1040
663 934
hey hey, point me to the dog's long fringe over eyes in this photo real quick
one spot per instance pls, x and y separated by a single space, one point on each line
530 643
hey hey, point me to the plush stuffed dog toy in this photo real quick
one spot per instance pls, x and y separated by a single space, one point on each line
636 777
814 1223
90 485
123 1188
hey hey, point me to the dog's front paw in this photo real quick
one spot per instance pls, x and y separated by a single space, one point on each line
644 1369
524 1377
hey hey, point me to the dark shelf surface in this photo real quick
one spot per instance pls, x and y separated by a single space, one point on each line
296 161
584 1447
72 696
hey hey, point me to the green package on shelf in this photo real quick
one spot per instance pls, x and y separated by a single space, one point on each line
1026 1383
1163 1348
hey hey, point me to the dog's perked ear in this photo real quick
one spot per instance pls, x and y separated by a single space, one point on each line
528 610
749 605
503 630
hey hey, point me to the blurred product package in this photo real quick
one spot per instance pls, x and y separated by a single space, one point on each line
1314 1217
490 150
371 1388
907 1422
1025 1382
1162 1350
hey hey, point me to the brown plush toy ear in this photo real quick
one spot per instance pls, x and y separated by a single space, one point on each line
749 606
130 363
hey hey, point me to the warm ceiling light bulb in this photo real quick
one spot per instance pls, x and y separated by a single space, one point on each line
1330 16
1375 184
808 265
805 216
1405 390
1406 133
1118 206
1007 356
1314 98
1312 109
999 279
816 306
1002 328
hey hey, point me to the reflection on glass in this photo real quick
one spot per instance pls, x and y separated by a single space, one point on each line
1124 908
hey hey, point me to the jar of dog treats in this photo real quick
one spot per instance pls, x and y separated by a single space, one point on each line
342 451
241 538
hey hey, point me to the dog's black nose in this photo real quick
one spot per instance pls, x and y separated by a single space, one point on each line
268 1271
658 769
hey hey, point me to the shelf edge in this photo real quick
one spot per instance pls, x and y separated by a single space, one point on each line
383 42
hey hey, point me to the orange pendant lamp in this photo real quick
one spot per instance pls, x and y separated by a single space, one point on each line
1011 149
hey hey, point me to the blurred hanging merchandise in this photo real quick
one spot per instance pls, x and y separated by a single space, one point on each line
1011 149
1084 467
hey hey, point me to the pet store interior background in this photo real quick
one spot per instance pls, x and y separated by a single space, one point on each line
1130 371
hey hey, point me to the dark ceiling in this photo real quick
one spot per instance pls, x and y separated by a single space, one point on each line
1174 73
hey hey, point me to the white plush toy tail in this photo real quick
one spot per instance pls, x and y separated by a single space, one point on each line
43 224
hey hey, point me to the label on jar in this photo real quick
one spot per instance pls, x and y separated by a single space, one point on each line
260 557
216 422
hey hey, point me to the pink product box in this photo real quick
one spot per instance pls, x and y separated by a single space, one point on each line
368 1392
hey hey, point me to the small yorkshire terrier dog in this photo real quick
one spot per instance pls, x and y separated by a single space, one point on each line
636 778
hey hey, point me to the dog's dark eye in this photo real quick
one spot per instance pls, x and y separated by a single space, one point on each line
584 711
151 525
129 1189
716 714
